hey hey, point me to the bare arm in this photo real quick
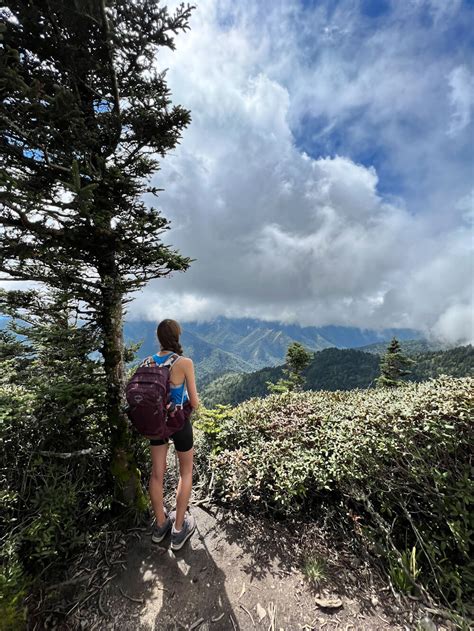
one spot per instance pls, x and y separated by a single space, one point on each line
191 383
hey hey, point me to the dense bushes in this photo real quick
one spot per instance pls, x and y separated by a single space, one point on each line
396 460
51 406
55 472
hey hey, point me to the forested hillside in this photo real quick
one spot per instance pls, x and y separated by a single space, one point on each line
458 362
338 369
409 347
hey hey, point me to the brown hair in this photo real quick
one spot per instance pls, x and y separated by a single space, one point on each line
168 332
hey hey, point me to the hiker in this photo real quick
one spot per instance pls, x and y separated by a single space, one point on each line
182 392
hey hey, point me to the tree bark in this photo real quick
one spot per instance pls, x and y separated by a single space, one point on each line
127 479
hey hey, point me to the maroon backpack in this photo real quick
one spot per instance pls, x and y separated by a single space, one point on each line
148 393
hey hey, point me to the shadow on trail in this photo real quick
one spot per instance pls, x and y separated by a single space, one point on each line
277 548
177 589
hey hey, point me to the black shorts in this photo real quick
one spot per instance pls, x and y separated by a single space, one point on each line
183 439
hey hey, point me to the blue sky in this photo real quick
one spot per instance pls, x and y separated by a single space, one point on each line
327 176
442 39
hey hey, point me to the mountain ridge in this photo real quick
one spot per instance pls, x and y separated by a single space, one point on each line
223 345
338 369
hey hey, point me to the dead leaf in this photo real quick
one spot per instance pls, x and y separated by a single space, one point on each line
261 612
242 592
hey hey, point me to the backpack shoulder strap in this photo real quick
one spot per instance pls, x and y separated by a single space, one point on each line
147 362
171 361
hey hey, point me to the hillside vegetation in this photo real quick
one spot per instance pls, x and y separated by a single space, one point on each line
390 467
409 347
338 369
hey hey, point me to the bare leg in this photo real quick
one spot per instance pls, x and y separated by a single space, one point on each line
184 485
158 459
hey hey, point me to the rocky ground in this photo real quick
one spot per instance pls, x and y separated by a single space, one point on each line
239 573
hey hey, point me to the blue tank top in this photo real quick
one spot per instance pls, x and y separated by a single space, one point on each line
176 392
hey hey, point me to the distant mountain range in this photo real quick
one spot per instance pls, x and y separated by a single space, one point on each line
243 345
339 369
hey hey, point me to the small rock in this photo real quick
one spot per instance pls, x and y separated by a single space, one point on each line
329 603
427 624
147 576
375 601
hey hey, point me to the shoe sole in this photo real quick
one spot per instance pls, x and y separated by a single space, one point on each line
160 539
180 545
156 539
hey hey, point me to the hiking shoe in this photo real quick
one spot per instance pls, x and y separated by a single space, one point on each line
160 532
178 539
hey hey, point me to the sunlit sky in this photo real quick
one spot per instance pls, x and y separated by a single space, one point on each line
327 175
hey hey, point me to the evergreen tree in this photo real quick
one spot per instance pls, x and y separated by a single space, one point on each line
85 117
297 359
46 351
393 366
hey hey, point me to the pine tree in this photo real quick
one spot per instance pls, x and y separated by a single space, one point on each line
85 118
393 366
297 359
52 356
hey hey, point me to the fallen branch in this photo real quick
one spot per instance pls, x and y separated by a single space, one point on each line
206 500
100 605
72 581
272 616
140 601
247 611
94 593
64 455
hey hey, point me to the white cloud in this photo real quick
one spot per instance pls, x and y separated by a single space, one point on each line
281 235
440 9
461 83
455 325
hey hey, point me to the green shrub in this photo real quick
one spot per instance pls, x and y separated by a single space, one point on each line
400 458
49 504
13 590
211 423
404 572
315 570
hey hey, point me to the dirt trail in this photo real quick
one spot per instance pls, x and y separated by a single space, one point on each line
232 571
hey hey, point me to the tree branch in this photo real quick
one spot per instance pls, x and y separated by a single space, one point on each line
72 454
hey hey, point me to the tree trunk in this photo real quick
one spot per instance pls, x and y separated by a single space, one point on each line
127 478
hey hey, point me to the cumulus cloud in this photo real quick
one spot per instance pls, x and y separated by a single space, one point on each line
287 230
455 324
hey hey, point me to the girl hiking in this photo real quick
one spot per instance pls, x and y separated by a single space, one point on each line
182 393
